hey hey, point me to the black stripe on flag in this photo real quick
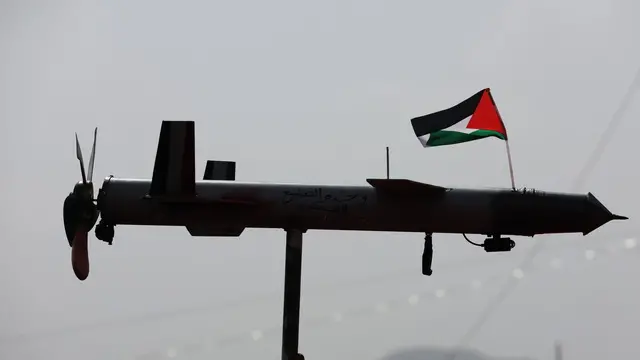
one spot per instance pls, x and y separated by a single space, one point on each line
443 119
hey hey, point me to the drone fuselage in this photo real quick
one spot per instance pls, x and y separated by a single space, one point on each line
226 208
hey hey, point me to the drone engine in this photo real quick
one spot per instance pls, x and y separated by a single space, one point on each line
80 213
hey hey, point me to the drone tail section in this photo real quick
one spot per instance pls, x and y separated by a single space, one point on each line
174 173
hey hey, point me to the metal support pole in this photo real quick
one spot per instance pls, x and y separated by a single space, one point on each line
292 282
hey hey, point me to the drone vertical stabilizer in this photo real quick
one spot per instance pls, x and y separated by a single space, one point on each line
174 174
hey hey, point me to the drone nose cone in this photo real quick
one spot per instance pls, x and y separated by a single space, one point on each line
598 214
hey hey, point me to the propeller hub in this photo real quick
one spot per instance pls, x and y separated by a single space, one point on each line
84 191
80 213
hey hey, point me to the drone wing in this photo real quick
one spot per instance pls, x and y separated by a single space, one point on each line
406 188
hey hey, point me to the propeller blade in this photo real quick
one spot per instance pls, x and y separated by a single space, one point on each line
79 156
92 158
80 255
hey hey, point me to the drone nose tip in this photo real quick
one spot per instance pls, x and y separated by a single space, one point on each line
618 217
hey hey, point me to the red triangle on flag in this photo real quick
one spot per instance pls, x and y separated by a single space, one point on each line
486 116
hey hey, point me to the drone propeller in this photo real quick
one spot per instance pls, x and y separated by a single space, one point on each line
80 213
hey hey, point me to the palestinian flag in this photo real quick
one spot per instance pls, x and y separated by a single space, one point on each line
473 119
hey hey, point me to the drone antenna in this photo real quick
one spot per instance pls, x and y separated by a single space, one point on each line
387 162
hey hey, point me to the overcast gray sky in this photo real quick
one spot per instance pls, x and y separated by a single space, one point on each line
286 88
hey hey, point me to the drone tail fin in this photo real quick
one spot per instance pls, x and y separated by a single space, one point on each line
174 169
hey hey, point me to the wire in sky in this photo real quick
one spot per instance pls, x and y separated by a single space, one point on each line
592 160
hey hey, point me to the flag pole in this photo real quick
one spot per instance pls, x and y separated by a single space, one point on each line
513 182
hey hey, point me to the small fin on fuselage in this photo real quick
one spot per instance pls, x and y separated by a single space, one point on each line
174 174
405 187
220 170
214 231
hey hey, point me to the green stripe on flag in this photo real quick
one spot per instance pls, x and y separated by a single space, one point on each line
445 137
